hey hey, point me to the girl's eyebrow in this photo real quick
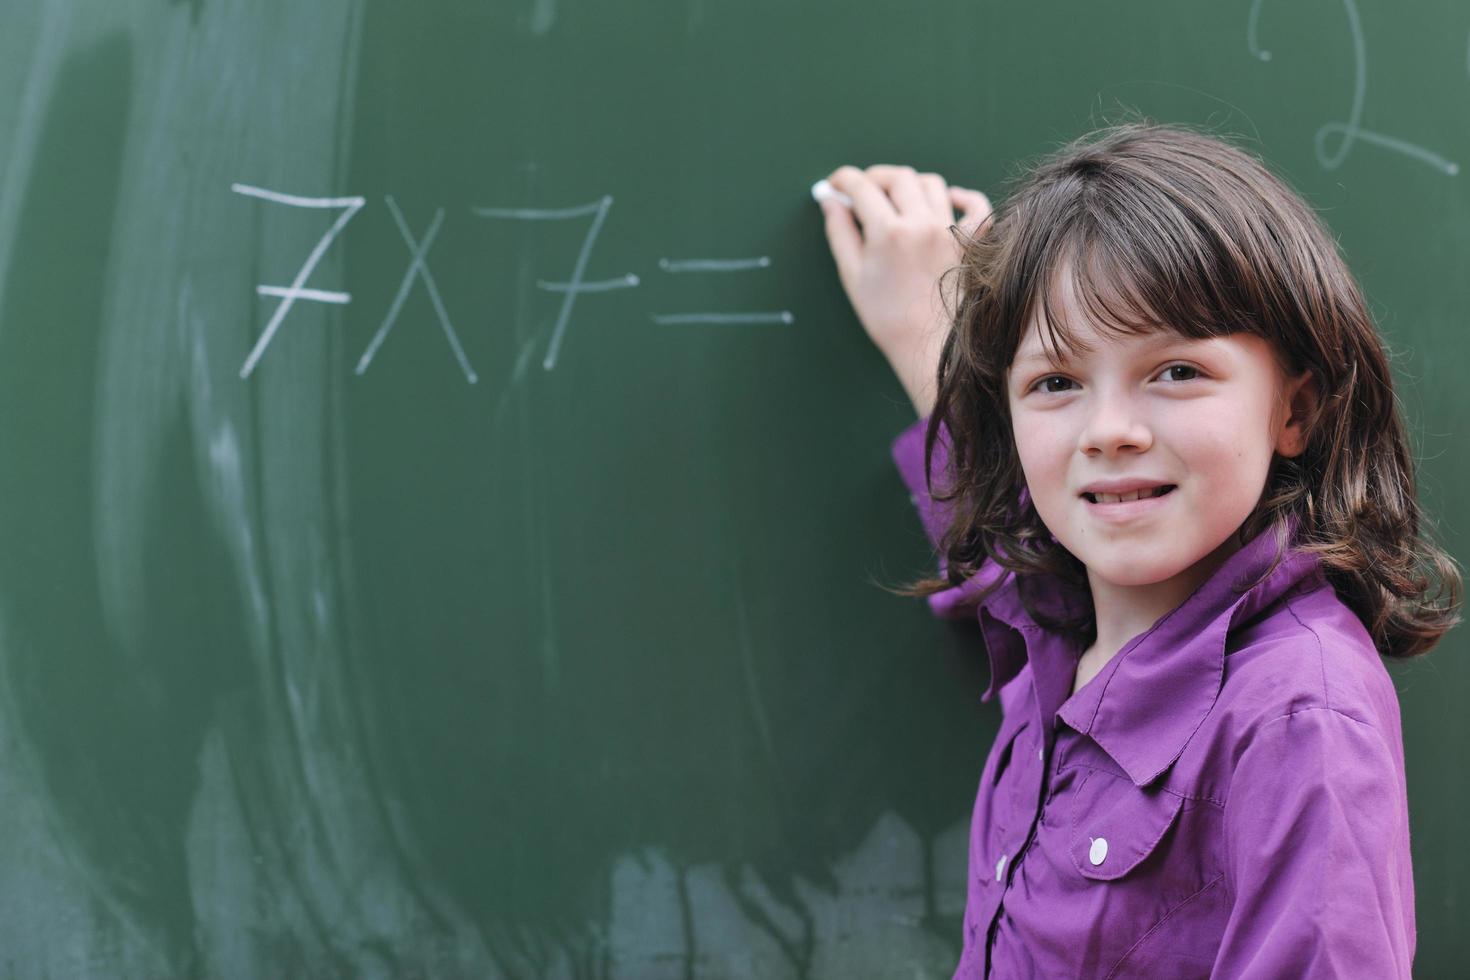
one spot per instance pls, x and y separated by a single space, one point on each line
1166 339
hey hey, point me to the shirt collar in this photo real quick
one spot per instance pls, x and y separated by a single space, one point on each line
1148 700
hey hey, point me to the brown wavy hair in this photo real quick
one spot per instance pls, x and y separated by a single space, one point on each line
1167 228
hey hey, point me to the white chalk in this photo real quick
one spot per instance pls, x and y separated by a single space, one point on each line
822 190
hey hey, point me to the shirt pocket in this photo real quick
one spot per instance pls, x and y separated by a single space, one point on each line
1116 827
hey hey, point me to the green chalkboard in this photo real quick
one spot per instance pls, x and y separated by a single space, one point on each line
444 491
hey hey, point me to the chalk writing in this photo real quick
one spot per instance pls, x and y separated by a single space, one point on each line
575 285
719 265
714 265
418 271
417 267
290 294
1350 131
780 316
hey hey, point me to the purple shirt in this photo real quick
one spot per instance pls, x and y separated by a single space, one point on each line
1226 797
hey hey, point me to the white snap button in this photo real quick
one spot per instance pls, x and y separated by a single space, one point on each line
1000 867
1041 754
1099 851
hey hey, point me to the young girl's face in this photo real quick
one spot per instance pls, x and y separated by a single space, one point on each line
1203 415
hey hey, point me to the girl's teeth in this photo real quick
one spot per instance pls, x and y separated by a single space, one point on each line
1116 498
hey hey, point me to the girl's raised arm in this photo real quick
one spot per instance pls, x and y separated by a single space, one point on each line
891 247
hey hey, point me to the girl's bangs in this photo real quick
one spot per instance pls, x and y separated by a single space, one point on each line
1113 295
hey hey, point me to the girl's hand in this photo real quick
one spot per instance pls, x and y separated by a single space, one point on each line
891 248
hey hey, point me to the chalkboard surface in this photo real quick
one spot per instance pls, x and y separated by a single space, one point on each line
444 487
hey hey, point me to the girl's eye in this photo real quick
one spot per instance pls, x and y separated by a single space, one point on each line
1052 377
1164 372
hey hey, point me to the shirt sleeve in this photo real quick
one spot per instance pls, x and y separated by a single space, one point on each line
908 456
1317 844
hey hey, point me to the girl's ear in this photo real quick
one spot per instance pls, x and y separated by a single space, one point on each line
1301 396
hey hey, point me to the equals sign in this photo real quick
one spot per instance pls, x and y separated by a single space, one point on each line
720 265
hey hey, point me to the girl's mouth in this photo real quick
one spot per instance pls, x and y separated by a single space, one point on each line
1126 510
1113 498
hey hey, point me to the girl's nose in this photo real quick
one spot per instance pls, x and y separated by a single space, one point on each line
1115 423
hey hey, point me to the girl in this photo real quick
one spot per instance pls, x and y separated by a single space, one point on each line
1164 467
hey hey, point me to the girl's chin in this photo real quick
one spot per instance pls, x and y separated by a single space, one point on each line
1120 569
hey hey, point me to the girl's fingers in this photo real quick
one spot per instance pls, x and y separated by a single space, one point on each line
936 192
901 184
843 237
976 213
871 205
